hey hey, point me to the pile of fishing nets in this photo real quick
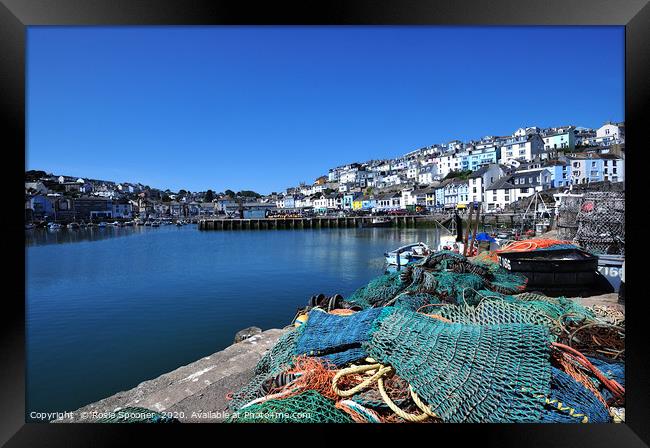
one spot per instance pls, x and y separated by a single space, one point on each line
444 276
445 340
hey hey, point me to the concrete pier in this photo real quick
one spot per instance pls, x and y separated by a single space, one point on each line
195 392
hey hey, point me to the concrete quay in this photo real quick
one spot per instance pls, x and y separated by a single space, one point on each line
192 393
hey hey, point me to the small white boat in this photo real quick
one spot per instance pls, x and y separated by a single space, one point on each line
53 226
448 242
102 224
406 254
73 225
155 224
29 226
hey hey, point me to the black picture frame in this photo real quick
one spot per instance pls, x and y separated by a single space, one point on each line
16 15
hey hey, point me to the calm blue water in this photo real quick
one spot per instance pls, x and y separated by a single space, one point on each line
109 308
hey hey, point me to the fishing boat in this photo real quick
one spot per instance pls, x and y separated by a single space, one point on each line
378 222
179 223
155 224
102 224
448 242
406 254
73 226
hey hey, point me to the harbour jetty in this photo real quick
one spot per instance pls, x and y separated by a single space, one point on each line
330 222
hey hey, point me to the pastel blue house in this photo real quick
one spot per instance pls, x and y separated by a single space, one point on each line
560 175
289 202
368 203
476 158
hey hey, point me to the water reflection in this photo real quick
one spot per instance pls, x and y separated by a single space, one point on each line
37 237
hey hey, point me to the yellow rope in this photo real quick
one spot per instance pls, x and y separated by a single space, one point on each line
559 406
378 371
381 371
572 412
416 399
406 416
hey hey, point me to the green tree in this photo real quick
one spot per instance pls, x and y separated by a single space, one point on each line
209 196
166 198
461 174
249 194
230 193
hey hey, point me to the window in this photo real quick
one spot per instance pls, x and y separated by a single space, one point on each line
524 190
613 170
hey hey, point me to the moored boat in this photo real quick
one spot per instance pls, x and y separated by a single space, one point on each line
406 254
378 222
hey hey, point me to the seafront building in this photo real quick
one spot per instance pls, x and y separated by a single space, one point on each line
495 171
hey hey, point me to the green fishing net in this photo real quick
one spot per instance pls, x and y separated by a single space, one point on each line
378 291
467 373
414 301
449 276
307 407
274 362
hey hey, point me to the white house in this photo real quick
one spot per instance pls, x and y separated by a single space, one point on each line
610 133
480 179
516 186
447 164
522 148
428 174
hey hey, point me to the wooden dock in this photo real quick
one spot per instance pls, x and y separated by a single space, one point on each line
305 223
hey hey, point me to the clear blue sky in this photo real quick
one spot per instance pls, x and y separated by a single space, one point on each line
263 108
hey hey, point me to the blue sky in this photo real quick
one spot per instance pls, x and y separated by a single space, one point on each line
263 108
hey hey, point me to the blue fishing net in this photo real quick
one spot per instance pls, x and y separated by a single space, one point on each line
614 370
336 338
570 401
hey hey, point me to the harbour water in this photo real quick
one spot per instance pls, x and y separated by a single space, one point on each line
109 308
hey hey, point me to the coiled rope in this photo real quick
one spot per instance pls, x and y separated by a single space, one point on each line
378 376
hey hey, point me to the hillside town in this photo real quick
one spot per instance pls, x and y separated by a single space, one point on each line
494 171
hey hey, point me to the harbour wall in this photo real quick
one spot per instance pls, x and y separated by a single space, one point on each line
404 221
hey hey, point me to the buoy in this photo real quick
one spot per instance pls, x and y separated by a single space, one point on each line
300 320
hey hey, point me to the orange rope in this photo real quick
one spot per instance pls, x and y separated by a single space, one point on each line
613 386
569 367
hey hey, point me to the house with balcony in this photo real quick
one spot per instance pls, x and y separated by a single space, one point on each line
610 133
